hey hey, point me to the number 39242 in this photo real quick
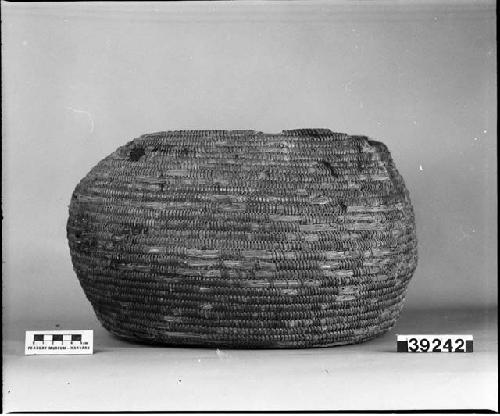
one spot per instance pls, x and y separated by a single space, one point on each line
435 343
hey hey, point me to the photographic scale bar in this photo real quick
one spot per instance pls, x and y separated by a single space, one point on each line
57 337
59 342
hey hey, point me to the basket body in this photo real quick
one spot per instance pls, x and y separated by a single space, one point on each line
244 239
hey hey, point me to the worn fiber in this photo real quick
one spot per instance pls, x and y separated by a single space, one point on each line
244 239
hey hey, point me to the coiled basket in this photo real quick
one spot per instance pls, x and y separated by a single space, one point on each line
244 239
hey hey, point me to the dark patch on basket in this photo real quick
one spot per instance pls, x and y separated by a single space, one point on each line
136 229
184 152
88 244
136 153
343 206
314 133
330 168
81 217
164 149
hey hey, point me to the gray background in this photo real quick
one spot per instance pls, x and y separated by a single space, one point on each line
81 79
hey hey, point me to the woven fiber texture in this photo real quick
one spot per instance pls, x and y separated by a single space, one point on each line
244 239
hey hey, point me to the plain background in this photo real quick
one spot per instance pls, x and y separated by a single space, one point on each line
81 79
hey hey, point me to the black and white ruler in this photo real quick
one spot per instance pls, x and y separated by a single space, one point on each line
435 343
59 342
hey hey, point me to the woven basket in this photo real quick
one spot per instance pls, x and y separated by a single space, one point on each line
244 239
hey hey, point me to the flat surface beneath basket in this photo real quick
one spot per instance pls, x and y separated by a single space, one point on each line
126 376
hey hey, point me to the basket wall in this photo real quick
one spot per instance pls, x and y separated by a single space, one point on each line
244 239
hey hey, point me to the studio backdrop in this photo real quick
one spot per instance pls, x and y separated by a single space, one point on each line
79 82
